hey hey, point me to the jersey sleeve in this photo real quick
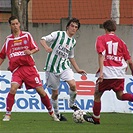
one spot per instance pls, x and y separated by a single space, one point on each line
126 53
3 52
32 43
71 54
51 37
100 45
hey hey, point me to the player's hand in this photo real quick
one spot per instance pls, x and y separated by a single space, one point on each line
48 49
100 79
83 72
27 52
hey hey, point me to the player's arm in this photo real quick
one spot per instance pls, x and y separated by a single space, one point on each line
130 63
46 47
50 39
29 52
100 61
2 55
33 48
1 61
76 67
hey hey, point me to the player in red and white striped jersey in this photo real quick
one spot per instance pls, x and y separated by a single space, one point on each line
19 47
113 57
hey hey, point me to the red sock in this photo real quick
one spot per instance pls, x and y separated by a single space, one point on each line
97 109
128 97
45 100
9 101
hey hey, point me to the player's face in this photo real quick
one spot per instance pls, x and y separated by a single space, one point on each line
15 25
72 29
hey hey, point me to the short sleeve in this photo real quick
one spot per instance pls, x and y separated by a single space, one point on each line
100 48
51 37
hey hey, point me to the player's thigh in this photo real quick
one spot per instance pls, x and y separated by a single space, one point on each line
68 76
31 78
52 80
16 81
118 85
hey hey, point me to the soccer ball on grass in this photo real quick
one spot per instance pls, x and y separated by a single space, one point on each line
78 116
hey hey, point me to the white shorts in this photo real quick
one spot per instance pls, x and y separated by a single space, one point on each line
53 80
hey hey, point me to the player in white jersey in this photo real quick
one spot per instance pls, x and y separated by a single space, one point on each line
113 57
58 64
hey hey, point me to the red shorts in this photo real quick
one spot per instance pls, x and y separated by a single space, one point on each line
110 84
28 75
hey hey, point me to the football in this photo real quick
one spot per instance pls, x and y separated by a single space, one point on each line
78 116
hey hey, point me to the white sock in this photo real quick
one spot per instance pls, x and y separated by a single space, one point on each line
8 112
72 97
55 106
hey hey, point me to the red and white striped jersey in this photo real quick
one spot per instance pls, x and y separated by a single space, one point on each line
14 48
116 53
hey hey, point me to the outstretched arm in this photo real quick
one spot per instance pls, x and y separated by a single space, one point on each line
78 70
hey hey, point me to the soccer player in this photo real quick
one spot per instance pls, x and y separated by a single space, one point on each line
19 47
60 55
113 57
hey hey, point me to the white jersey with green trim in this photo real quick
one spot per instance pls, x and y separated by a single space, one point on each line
62 49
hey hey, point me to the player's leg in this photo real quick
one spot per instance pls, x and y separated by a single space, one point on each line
99 90
54 101
16 82
119 88
124 96
97 106
32 79
68 76
53 82
73 94
46 101
10 101
95 118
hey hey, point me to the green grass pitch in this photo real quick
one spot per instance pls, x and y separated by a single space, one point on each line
42 123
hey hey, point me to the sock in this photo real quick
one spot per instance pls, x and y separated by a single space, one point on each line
9 103
45 100
55 106
96 110
72 97
128 97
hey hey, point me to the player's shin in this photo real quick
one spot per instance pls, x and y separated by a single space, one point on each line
46 101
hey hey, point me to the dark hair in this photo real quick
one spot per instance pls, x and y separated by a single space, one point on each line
74 20
109 25
12 18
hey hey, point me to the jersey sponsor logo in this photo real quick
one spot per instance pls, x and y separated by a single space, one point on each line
16 41
62 52
19 48
20 53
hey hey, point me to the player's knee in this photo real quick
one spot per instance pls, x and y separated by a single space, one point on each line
54 96
119 97
73 87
